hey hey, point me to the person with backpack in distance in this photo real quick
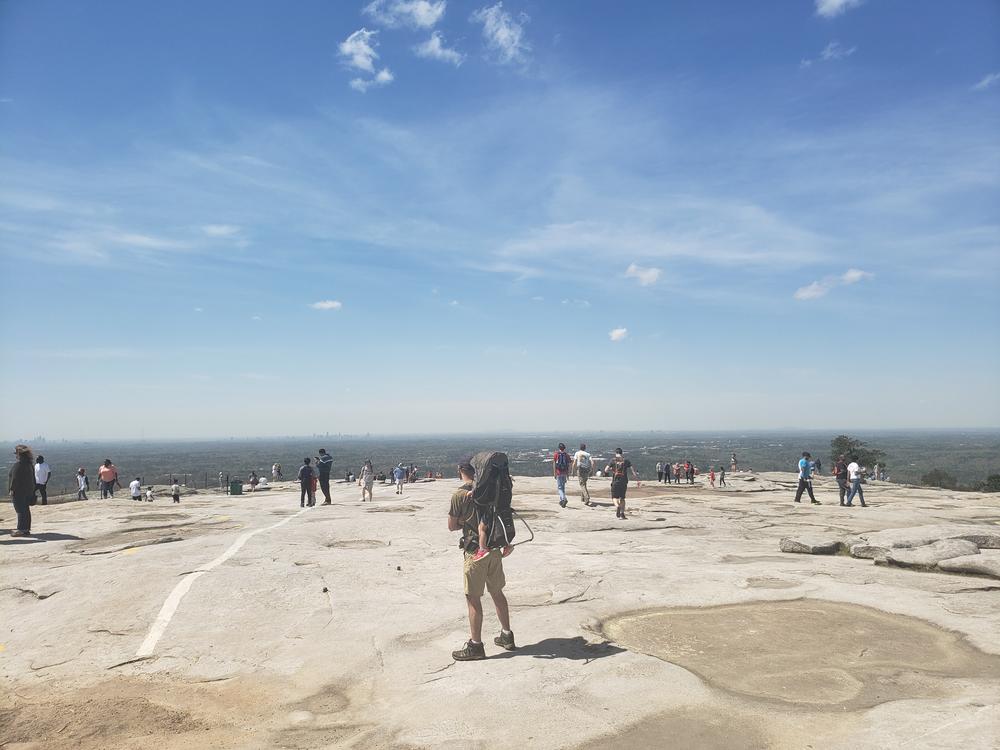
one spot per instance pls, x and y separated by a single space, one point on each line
582 465
560 470
805 479
324 464
480 511
618 470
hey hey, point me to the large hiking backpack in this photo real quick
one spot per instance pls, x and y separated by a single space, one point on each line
562 461
492 491
618 468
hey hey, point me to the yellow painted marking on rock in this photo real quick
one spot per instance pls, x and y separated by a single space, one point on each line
131 550
3 648
222 518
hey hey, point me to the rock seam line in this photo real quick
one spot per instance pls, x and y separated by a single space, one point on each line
173 601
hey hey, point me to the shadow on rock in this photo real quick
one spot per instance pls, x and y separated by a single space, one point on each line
576 648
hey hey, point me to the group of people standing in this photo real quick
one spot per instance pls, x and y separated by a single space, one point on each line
849 479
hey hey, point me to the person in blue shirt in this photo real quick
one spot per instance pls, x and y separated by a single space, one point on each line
805 479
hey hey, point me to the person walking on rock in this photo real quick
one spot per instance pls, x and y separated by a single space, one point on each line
42 474
108 474
481 572
325 465
398 475
618 470
560 470
82 483
841 474
21 488
805 479
367 480
582 465
856 472
722 476
305 477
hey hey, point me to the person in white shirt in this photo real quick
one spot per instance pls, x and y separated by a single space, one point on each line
175 490
582 466
135 487
854 472
42 474
149 494
83 483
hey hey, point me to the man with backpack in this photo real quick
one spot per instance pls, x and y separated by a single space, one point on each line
582 464
560 470
618 470
324 465
481 572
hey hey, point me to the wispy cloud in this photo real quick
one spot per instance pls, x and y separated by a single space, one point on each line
830 53
419 14
358 50
220 230
833 8
618 334
435 49
577 303
988 81
821 288
328 304
383 78
645 276
504 36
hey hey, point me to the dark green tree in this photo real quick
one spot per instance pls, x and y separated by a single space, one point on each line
992 484
845 445
939 478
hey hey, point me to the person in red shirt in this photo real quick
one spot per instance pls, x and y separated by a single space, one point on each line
108 474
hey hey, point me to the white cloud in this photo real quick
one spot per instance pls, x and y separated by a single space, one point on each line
503 35
645 276
358 50
435 49
988 81
577 302
383 78
420 14
836 51
329 304
832 8
255 317
220 230
199 309
453 303
144 241
618 334
818 289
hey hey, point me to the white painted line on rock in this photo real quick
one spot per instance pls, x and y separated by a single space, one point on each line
173 601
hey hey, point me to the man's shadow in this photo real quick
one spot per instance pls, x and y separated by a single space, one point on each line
576 649
47 536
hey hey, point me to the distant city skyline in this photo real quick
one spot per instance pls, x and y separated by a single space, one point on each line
406 217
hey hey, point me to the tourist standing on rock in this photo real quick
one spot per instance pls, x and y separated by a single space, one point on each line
398 475
82 483
677 473
659 471
254 481
175 491
108 474
135 488
42 473
733 463
842 476
305 477
805 479
711 476
722 476
689 472
582 465
324 465
856 472
560 470
21 488
482 574
367 480
618 470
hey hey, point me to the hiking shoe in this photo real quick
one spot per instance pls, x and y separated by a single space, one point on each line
562 503
18 532
816 502
505 641
471 652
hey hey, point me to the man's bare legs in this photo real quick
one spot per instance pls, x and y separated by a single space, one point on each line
475 617
503 610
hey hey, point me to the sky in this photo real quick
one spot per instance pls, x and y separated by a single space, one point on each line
256 218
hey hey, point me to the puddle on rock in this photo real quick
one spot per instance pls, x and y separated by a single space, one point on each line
805 652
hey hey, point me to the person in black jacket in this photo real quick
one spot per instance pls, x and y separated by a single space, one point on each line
840 472
21 486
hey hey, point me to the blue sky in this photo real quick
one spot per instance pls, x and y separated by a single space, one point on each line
528 215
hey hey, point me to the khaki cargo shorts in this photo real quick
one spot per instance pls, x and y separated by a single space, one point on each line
486 573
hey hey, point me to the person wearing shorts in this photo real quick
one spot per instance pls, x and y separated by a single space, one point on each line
618 470
480 573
